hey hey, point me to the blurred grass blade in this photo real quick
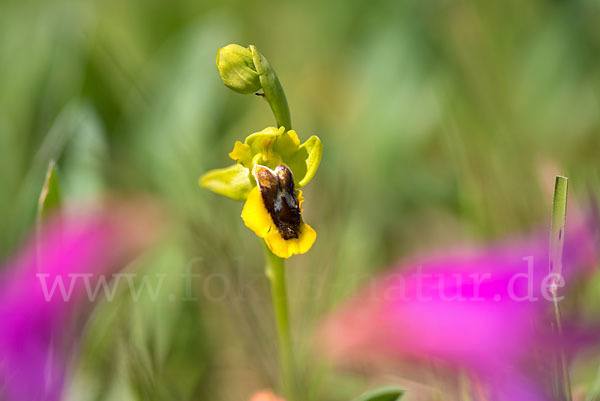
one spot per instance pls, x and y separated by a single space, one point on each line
50 198
557 239
557 225
382 394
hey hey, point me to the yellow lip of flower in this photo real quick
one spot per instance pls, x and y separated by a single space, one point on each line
273 211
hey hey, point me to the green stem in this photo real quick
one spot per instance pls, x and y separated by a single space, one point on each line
275 271
273 90
557 239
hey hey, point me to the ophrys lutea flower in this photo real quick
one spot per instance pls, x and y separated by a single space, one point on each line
270 166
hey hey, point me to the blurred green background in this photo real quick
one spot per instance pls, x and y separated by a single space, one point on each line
442 121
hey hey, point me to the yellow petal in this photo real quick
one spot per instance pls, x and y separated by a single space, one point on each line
261 141
241 153
262 144
255 215
285 248
300 199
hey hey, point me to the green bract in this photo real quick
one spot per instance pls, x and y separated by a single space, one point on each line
270 147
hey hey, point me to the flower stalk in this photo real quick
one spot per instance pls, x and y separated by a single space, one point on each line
272 88
275 271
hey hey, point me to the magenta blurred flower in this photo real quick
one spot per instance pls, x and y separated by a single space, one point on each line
36 331
482 311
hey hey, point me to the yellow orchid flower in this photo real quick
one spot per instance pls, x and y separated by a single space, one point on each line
270 164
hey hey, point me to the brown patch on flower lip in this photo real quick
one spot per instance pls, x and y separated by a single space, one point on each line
279 197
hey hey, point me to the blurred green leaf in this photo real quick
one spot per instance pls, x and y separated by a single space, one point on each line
382 394
85 155
50 198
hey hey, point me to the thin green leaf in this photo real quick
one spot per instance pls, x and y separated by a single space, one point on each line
50 198
557 239
382 394
557 230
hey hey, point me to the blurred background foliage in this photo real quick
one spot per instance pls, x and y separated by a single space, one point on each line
442 121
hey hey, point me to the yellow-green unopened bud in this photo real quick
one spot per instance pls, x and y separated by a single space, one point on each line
237 69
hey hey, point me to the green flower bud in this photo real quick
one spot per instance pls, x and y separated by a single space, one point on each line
237 69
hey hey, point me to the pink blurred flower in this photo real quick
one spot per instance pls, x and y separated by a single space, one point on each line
36 334
265 395
479 310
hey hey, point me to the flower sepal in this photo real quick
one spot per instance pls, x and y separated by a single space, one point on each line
233 182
